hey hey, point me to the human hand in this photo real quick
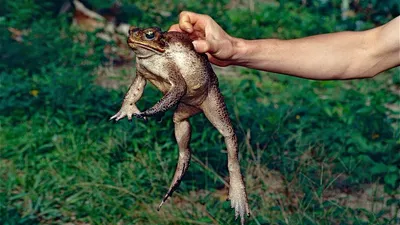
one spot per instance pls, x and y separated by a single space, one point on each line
208 37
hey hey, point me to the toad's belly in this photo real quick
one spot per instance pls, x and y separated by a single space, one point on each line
196 91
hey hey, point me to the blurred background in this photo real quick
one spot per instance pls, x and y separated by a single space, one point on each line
312 152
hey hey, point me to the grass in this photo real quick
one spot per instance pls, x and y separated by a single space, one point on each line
58 171
311 151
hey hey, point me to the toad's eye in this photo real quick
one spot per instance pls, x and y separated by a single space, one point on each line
149 35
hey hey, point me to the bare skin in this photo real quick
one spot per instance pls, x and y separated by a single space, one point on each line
168 60
334 56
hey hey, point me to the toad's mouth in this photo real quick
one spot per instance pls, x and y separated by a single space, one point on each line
138 45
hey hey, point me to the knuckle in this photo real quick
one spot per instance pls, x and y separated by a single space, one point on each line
181 14
206 18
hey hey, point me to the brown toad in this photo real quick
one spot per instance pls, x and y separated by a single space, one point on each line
187 80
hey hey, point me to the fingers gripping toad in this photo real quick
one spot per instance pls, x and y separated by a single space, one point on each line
168 60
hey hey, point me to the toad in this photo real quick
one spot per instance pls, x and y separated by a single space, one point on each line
189 85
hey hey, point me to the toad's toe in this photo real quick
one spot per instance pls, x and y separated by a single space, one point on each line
238 198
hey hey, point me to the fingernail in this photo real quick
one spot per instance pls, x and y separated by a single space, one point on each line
195 44
200 46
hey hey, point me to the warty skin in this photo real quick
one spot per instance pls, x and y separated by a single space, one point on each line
188 82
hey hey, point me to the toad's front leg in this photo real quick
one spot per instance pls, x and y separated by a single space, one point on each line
172 97
215 110
134 93
182 135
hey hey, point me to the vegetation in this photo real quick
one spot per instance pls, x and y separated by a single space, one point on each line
309 149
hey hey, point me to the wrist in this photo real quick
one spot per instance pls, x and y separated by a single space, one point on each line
240 52
257 54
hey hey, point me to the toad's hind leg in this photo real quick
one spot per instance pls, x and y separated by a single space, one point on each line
182 135
215 110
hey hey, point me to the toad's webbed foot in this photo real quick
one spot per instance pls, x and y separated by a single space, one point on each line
238 198
181 168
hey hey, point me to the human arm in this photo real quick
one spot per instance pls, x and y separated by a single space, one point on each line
342 55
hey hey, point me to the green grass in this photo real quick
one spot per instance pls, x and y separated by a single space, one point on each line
303 144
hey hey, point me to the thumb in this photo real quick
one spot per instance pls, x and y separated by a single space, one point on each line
203 46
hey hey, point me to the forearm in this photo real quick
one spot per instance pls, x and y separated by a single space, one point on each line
343 55
311 57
